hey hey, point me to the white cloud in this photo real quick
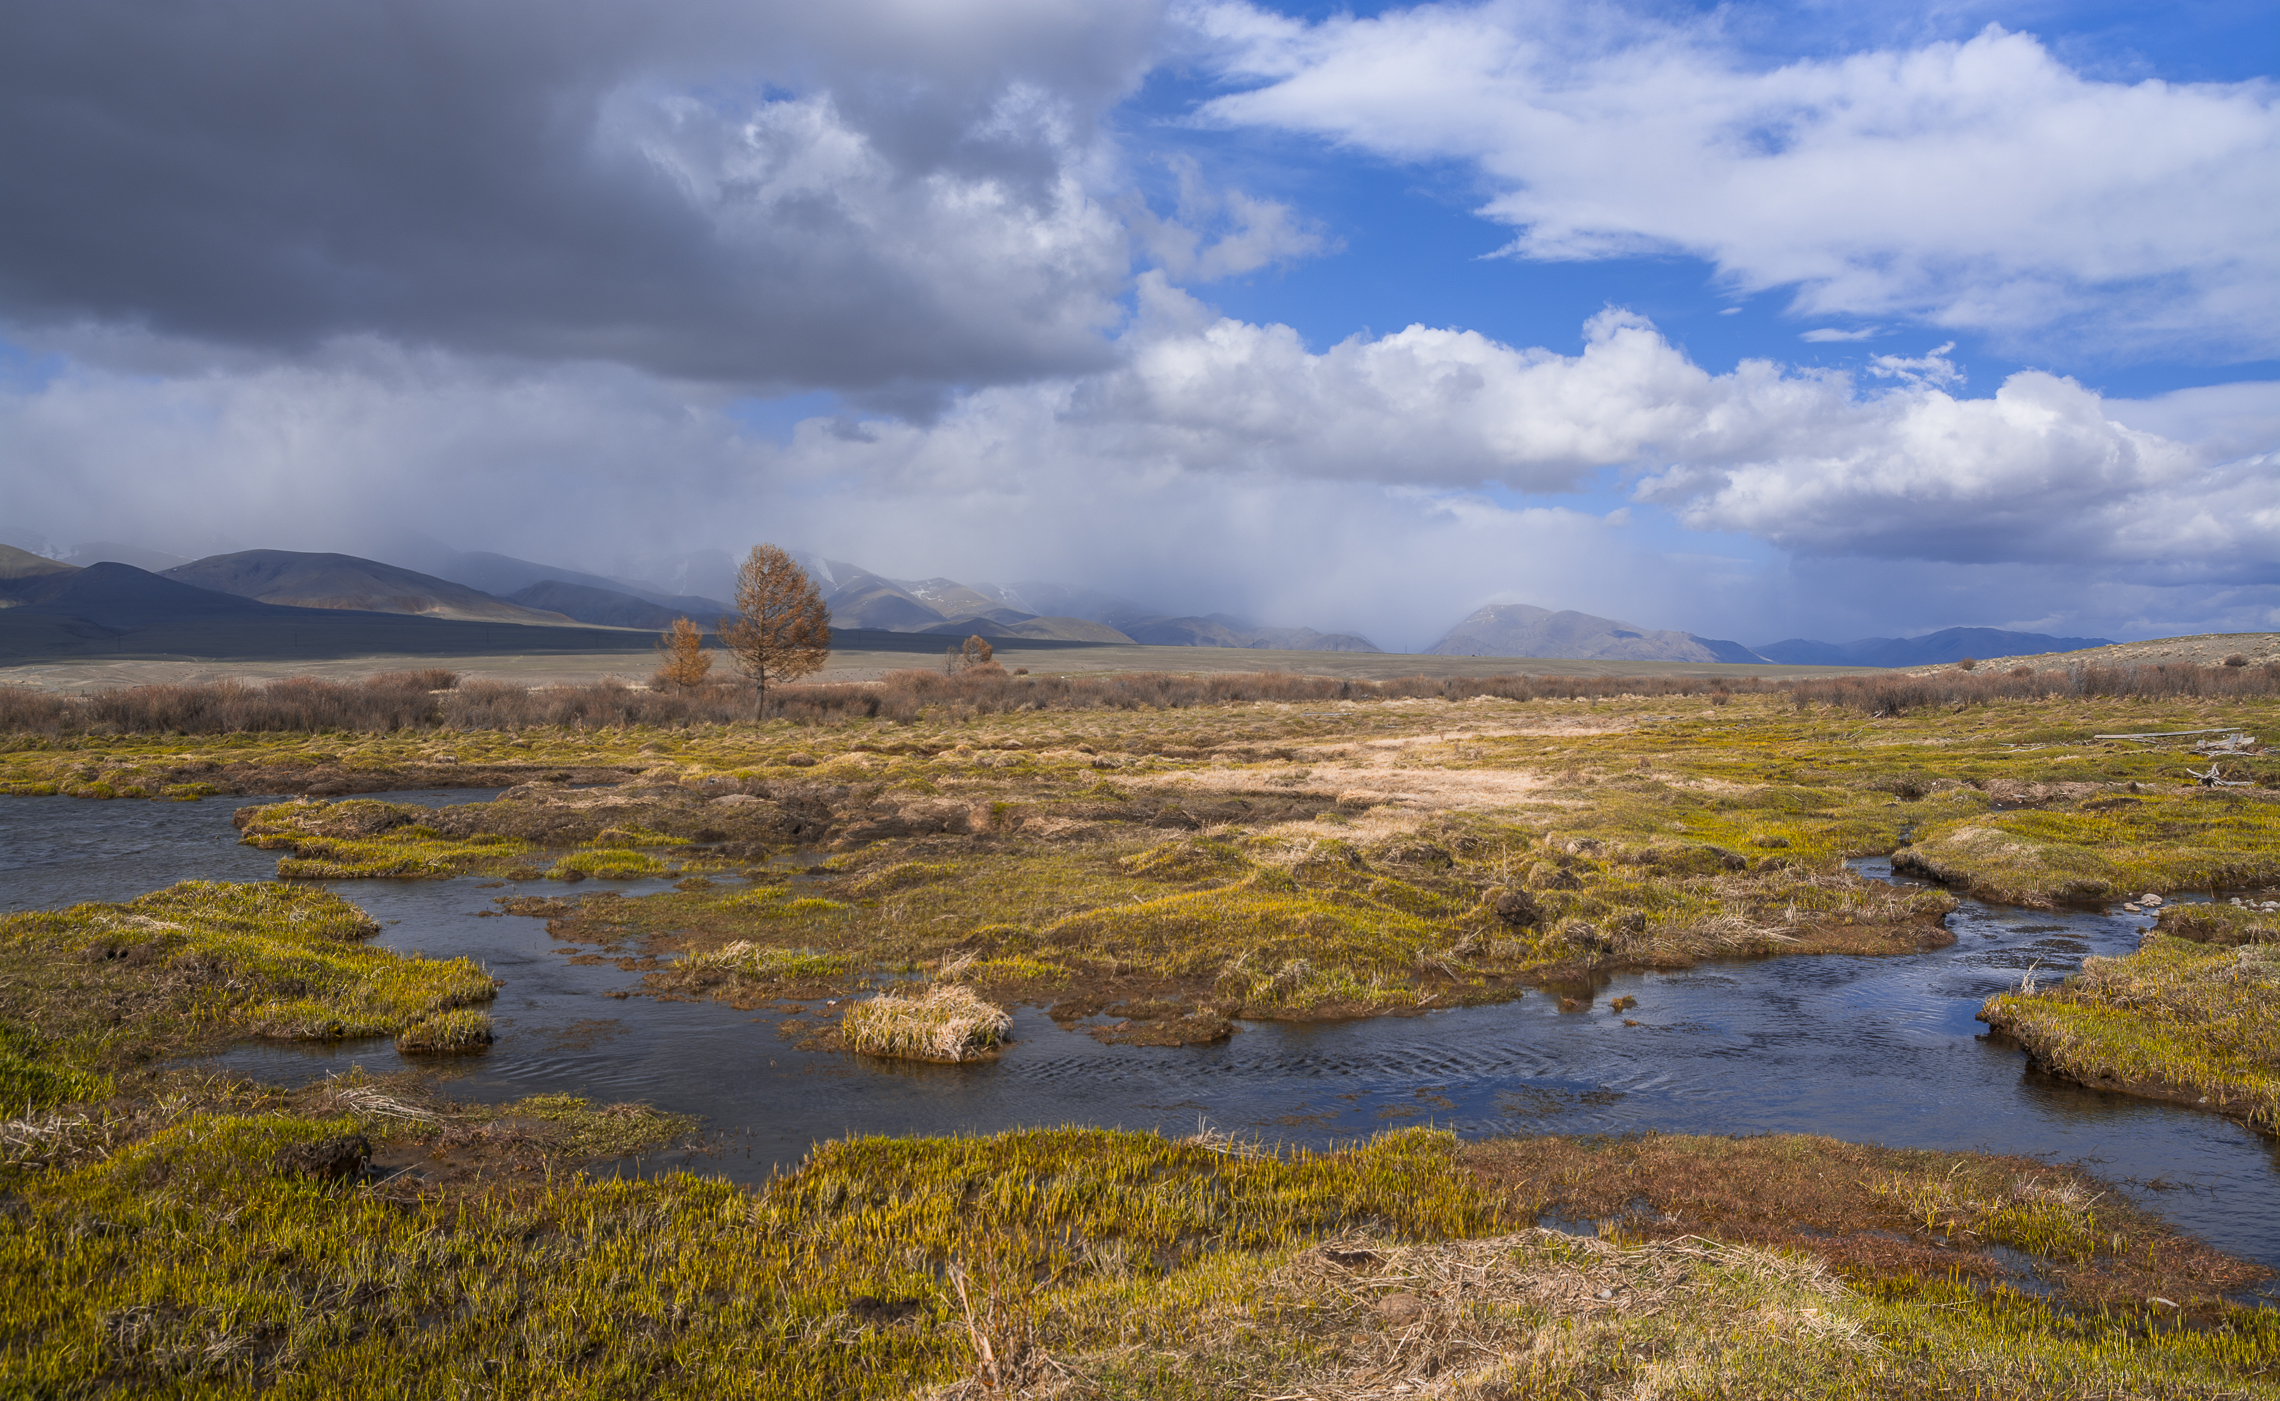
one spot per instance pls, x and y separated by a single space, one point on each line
1821 335
1980 185
1932 368
1250 233
1223 465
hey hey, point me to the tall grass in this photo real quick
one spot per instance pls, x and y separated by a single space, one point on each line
437 700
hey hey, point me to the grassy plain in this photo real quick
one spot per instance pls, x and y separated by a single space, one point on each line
1161 873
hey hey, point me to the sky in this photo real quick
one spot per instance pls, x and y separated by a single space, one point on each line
1754 320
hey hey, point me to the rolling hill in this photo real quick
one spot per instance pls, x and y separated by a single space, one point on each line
117 610
1932 649
1520 630
291 579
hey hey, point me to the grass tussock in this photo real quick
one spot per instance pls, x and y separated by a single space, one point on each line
764 963
462 1029
2178 1019
2105 846
948 1023
607 863
107 987
361 839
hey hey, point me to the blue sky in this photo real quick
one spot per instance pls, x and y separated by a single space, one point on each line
1755 320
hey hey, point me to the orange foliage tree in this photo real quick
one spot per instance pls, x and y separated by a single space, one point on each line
681 656
781 630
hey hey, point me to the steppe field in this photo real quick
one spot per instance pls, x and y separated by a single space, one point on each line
885 865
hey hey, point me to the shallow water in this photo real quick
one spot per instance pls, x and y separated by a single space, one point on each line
1881 1050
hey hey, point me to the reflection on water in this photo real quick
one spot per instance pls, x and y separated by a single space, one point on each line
1882 1050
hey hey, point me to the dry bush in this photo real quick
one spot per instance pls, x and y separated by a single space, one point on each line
1899 692
437 699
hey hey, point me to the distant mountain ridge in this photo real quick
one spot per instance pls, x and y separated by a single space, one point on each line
504 576
858 597
111 609
1932 649
1523 630
294 579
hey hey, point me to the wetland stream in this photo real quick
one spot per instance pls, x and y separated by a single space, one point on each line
1874 1049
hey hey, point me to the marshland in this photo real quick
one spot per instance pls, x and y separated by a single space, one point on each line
1145 1035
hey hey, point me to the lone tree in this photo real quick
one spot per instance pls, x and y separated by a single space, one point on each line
681 656
781 630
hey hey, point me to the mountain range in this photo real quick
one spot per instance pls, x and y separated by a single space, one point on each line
53 611
56 611
1521 630
1037 609
99 603
1932 649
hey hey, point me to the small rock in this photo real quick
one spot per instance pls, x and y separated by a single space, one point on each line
2149 898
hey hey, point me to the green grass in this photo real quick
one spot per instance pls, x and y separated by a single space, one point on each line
2107 847
31 1078
606 864
461 1029
2177 1019
360 838
763 963
211 1273
1091 1263
110 986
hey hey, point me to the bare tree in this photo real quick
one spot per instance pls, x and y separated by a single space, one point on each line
781 630
681 656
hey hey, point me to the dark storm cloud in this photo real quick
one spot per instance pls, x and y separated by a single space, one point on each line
848 196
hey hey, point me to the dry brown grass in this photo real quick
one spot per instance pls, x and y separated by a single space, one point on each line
947 1023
